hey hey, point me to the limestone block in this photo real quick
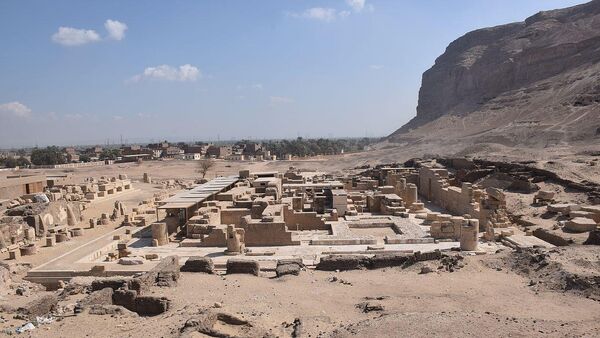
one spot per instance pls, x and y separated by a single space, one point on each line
76 232
14 254
580 224
61 237
545 195
563 208
50 241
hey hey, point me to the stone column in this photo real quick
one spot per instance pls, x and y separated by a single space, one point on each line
71 219
410 194
160 235
468 235
234 245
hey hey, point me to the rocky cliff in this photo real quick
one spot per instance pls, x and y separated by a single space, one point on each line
532 81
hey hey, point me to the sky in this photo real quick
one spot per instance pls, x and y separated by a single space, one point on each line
96 72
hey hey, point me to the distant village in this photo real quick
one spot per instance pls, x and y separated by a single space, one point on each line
244 150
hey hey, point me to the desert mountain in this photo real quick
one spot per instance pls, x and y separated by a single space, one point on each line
535 82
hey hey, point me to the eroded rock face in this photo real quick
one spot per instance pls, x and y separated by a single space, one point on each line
551 55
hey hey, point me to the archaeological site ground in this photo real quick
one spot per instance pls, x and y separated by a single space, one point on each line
480 217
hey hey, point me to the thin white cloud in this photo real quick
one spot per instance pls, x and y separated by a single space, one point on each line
317 13
375 67
116 30
277 100
331 14
118 118
356 5
344 14
68 36
182 73
16 109
257 86
52 116
73 116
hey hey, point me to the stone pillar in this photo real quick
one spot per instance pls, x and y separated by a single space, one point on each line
235 243
468 235
297 203
160 235
50 241
104 220
92 223
71 219
410 194
30 234
147 178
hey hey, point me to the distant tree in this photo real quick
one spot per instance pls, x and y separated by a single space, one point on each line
47 156
8 162
85 158
205 165
110 154
23 162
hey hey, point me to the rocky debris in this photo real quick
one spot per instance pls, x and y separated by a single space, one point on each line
125 298
113 283
38 307
334 279
220 324
241 266
358 262
198 264
343 262
572 268
151 306
593 238
425 270
380 261
101 297
131 261
451 263
113 310
128 292
165 273
289 267
367 307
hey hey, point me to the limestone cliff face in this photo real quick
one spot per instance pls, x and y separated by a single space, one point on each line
549 61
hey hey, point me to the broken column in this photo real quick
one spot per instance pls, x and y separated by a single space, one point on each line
468 235
235 241
160 235
147 178
71 219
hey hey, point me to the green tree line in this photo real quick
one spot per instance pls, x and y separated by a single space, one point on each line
311 147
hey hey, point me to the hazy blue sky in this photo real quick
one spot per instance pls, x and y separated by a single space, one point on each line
82 72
